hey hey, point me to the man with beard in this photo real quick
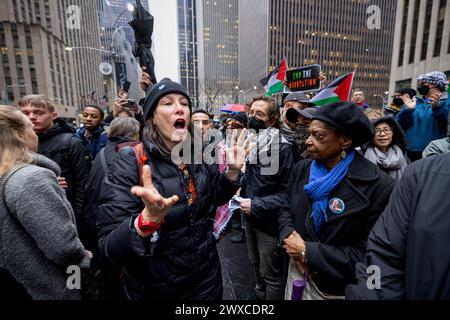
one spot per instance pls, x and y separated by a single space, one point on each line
295 133
57 142
266 176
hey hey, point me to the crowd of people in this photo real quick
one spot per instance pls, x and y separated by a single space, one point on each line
323 193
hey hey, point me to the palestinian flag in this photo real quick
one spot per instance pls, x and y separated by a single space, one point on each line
273 83
338 90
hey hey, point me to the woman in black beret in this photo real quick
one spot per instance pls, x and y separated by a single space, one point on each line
332 202
156 213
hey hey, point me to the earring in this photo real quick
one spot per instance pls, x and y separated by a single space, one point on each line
343 154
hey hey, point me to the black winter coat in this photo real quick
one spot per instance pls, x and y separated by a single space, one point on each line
183 263
60 145
410 241
332 255
266 190
93 188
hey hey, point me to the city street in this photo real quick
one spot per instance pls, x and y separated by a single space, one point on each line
237 273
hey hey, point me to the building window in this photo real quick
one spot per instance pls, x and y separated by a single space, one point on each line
2 37
403 84
415 24
426 30
37 11
403 37
16 12
440 28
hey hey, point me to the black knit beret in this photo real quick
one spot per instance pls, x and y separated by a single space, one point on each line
347 119
159 90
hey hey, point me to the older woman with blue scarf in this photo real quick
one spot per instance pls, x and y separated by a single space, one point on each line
332 201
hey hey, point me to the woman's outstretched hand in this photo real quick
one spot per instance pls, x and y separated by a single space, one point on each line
237 153
156 206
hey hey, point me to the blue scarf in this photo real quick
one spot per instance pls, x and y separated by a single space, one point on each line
321 184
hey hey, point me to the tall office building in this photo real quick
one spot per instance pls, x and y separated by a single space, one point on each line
208 50
218 28
33 38
334 34
188 47
422 34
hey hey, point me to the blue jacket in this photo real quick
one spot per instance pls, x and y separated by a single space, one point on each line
97 143
424 124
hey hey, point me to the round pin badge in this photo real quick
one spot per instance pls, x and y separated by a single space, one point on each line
336 205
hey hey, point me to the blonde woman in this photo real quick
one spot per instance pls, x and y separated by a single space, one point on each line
39 237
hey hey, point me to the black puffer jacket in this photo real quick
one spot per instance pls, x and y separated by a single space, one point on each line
60 145
93 188
333 254
183 263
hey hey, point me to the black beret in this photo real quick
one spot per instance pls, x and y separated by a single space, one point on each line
347 119
159 90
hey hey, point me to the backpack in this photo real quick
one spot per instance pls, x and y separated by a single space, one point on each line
63 148
141 156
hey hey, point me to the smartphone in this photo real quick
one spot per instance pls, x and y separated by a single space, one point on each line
126 86
131 105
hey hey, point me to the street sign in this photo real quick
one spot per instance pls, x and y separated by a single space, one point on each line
304 79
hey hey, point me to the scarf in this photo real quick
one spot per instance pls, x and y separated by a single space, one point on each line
393 161
296 137
263 141
321 183
287 132
302 135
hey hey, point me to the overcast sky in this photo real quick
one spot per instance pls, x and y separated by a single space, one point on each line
165 38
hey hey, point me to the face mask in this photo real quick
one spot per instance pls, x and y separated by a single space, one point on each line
398 102
423 89
255 124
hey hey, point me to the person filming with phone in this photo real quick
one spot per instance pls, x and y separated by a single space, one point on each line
424 119
125 107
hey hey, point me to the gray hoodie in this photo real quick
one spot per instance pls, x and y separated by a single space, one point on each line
38 237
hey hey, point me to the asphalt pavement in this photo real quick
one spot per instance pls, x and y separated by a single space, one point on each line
237 272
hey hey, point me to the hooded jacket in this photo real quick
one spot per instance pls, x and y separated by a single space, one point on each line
38 236
69 152
96 143
423 124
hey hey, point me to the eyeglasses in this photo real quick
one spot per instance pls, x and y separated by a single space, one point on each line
386 131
